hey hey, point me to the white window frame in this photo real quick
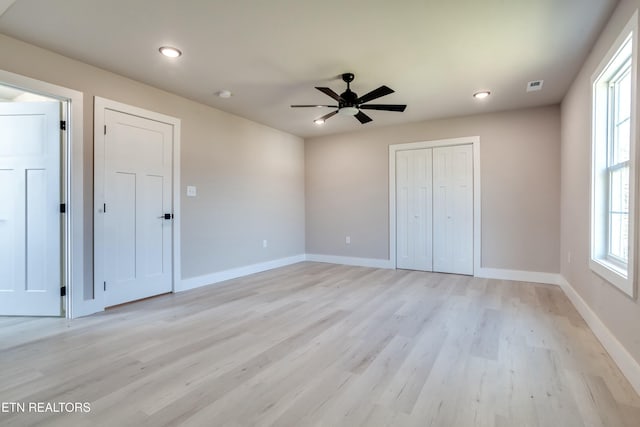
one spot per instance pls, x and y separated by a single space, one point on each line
601 262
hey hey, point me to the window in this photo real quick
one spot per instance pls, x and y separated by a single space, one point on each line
618 165
613 163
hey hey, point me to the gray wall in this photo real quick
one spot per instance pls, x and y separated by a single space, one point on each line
618 312
347 185
250 177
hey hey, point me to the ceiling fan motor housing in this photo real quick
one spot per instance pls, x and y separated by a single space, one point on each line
348 96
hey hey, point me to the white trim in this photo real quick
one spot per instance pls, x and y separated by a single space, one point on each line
355 261
477 198
627 364
76 304
623 280
100 105
234 273
488 273
519 275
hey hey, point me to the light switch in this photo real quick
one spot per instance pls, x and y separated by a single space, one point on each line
191 191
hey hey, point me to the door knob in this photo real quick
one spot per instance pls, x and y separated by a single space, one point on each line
166 216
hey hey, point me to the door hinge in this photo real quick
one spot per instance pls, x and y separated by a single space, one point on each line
63 291
105 129
104 208
63 207
63 125
104 286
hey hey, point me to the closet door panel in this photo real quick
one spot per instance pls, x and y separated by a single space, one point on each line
453 209
414 209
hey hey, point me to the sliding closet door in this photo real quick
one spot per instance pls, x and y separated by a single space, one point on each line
414 209
453 209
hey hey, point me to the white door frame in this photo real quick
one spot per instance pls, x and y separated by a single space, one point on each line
100 105
477 234
73 238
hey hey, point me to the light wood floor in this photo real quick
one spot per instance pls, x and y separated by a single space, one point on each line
323 345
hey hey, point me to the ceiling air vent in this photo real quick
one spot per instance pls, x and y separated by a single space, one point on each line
534 86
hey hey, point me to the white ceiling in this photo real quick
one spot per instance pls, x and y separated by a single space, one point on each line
271 53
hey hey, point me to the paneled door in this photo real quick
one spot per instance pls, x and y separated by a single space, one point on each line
138 208
414 209
453 209
30 141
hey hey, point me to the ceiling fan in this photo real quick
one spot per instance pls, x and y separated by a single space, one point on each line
350 105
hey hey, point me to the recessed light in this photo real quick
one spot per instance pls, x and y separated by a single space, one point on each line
170 52
224 93
482 94
319 121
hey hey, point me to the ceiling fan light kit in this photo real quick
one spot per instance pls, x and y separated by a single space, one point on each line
349 104
348 111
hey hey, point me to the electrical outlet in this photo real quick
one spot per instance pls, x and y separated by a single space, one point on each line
347 240
265 243
192 191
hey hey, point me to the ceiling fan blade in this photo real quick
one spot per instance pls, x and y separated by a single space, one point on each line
331 93
383 107
300 106
376 93
362 117
326 116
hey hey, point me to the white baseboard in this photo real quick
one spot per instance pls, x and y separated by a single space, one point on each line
627 364
519 275
356 261
489 273
234 273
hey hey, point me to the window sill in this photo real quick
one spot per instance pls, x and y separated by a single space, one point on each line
614 274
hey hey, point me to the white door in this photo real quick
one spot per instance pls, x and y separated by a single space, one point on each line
138 250
453 209
30 208
414 209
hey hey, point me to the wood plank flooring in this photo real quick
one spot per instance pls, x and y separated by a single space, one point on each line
322 345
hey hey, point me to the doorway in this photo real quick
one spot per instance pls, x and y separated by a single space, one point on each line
136 202
78 300
31 244
434 205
